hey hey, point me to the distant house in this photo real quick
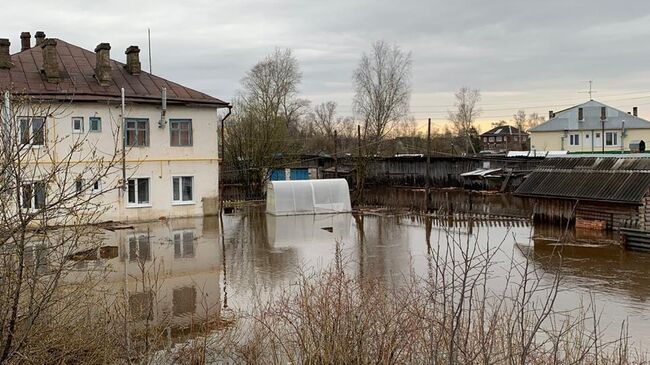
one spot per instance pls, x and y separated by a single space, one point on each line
590 127
505 138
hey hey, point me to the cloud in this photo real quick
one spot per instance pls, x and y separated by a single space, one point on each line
519 53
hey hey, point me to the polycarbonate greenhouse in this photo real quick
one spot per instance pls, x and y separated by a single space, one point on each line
308 197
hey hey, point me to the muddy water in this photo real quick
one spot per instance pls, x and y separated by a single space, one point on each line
200 274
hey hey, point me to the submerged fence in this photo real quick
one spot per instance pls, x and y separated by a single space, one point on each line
450 201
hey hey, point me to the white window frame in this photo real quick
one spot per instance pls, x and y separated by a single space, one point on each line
32 203
574 139
613 137
139 239
99 124
180 190
79 120
30 131
138 204
181 234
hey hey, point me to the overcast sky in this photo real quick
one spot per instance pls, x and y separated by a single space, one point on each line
535 55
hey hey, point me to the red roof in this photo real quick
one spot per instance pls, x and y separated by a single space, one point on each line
78 83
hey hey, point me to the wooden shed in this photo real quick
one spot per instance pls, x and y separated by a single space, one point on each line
608 192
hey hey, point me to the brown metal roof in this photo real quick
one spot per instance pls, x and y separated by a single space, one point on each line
607 179
77 69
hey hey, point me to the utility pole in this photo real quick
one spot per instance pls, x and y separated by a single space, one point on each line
336 158
603 116
428 175
359 163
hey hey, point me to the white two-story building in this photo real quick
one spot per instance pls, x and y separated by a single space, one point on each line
169 132
590 127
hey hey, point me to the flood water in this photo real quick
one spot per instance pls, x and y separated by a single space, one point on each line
259 254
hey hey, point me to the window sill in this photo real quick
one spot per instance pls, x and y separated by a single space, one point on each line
135 206
183 203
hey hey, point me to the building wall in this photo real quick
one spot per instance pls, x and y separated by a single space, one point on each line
159 161
588 140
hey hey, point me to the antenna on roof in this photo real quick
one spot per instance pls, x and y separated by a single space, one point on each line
590 91
149 44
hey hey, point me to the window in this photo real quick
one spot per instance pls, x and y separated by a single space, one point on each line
138 191
597 135
140 305
183 244
32 131
182 189
484 139
77 124
581 114
491 139
33 195
183 301
611 138
180 132
499 139
574 139
95 124
137 132
78 185
516 138
139 248
97 186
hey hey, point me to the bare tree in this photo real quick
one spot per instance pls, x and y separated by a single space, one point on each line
382 84
500 123
534 120
265 111
48 203
325 121
525 121
465 114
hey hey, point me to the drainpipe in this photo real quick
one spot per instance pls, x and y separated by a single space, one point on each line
223 155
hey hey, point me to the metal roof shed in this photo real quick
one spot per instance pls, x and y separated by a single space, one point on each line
308 197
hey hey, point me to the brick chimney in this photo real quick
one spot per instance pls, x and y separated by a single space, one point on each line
103 66
133 60
40 37
5 57
50 61
25 41
635 111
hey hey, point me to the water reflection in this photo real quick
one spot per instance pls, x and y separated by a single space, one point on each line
169 270
191 259
592 260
